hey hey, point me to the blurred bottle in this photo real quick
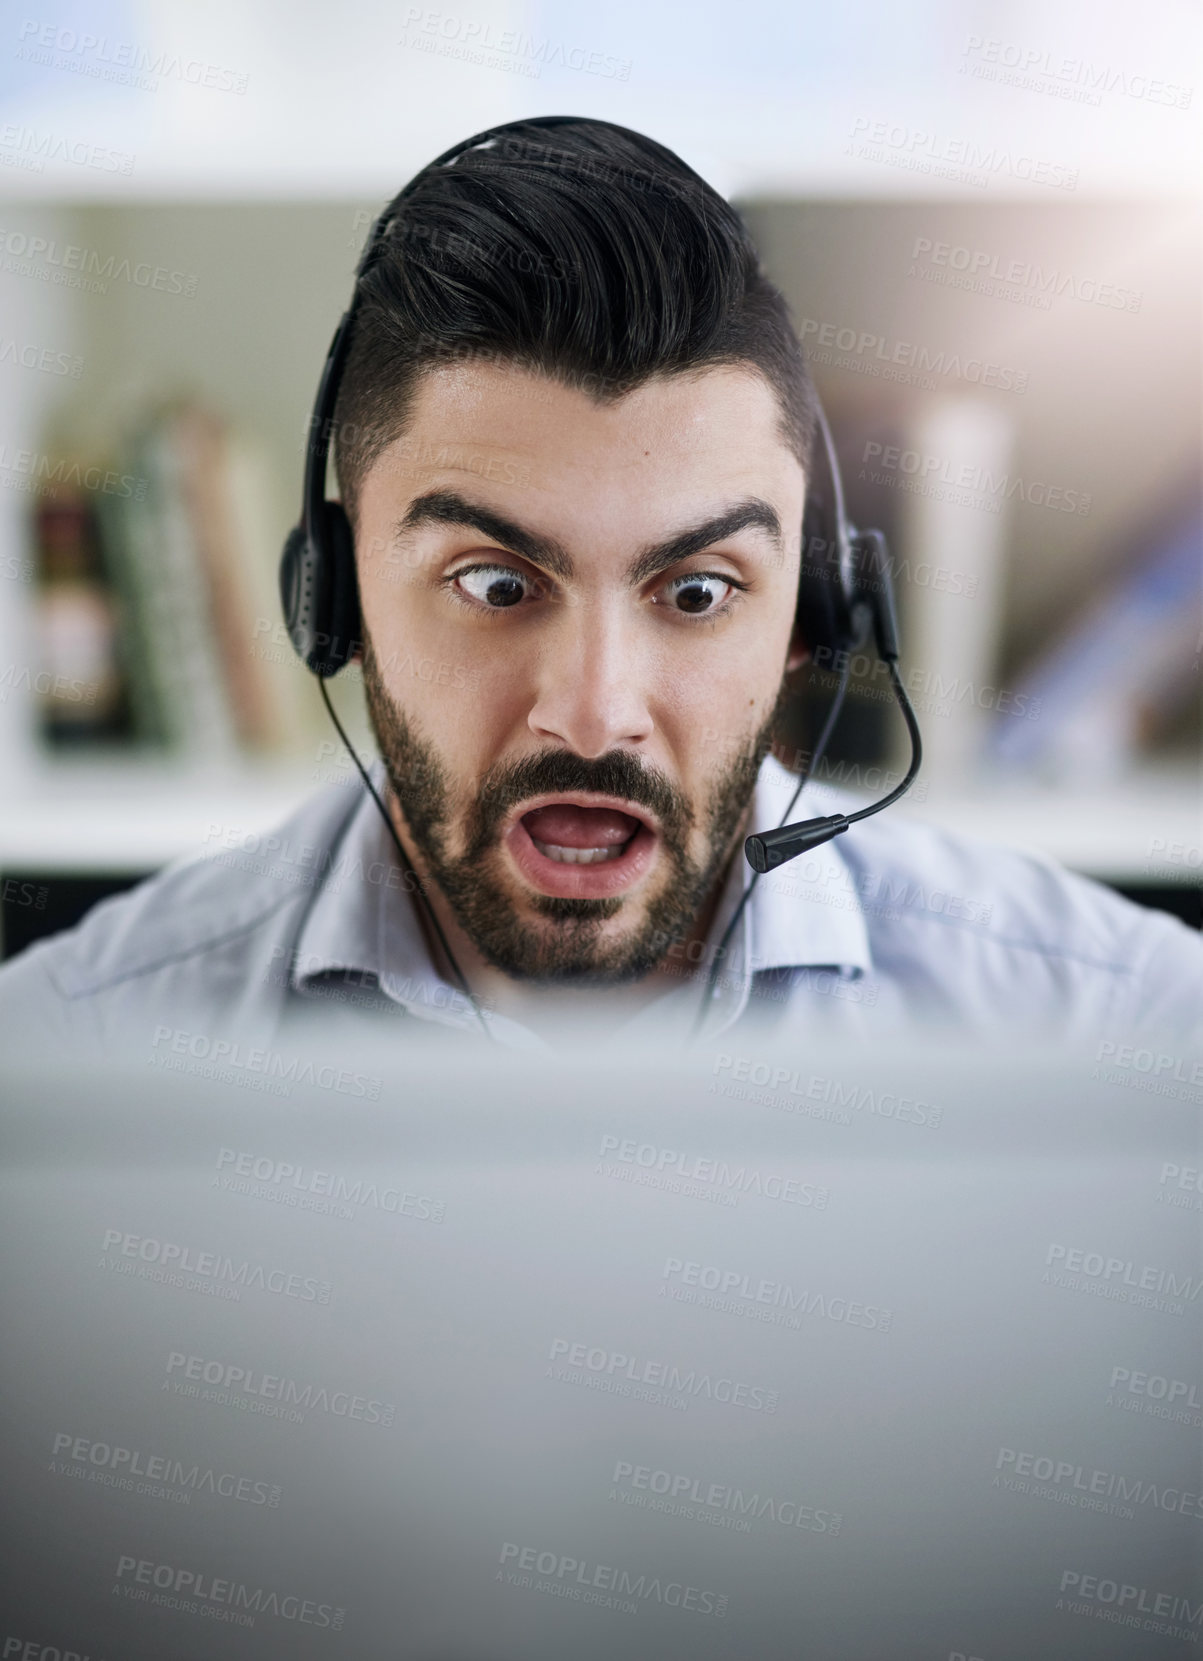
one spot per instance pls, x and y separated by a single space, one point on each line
79 686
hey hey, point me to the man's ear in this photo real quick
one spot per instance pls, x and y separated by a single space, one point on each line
799 652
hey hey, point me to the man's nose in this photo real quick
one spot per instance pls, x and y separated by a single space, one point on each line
591 695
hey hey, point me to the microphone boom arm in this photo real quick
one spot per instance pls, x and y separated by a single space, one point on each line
769 849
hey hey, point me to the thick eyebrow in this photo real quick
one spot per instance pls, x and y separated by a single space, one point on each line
448 507
661 555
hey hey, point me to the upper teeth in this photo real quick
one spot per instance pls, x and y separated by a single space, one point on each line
579 856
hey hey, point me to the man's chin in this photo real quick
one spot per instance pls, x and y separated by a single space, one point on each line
594 971
557 940
578 975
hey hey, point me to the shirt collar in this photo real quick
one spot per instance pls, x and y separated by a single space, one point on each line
805 915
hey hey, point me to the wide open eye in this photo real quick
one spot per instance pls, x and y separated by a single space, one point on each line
495 586
698 594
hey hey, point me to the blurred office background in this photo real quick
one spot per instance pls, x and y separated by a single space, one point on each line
985 219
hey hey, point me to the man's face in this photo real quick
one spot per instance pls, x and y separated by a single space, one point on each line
577 619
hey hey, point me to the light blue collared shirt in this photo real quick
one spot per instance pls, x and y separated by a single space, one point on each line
893 927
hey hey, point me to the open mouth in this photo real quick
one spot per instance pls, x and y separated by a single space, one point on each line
583 848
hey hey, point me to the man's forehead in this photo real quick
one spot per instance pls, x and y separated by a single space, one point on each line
720 410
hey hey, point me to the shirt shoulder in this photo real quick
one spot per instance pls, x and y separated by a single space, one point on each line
1000 932
199 937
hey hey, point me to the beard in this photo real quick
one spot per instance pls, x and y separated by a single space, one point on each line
571 946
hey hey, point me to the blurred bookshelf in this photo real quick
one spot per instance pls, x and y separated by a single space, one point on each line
151 443
121 815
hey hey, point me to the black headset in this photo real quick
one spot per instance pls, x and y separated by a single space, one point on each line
844 587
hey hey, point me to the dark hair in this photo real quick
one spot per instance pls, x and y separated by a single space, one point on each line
585 252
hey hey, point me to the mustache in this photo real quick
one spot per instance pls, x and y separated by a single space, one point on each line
617 773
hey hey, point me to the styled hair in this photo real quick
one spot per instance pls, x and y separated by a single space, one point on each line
585 252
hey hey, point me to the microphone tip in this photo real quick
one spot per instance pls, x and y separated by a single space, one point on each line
756 854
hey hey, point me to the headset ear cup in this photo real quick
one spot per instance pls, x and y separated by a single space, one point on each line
319 593
821 601
343 629
299 594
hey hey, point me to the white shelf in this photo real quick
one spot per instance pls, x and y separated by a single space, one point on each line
807 103
1145 829
126 816
111 817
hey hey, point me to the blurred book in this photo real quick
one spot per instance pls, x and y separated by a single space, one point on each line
222 490
1113 681
188 542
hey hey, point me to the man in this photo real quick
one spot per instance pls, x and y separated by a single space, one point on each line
574 436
